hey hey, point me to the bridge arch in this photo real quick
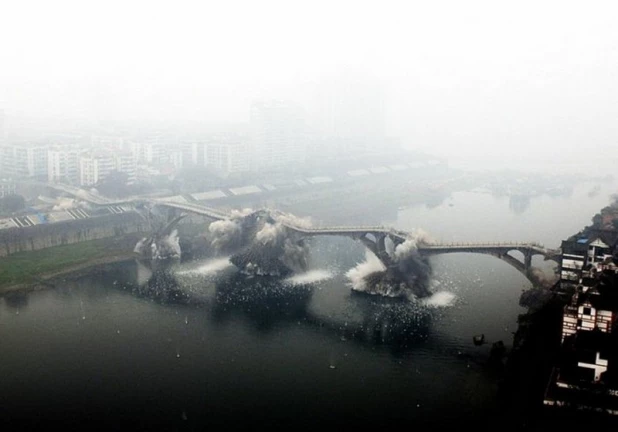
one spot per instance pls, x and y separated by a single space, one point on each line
501 252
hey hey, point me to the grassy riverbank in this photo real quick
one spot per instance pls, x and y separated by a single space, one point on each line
25 268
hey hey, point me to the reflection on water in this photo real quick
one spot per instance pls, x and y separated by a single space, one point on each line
16 300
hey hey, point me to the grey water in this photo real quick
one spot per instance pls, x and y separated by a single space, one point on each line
193 345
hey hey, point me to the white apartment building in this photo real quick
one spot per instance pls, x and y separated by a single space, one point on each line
23 160
95 166
7 187
192 153
125 162
277 136
63 164
154 153
227 154
176 159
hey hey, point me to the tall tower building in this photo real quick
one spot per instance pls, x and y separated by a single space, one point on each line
277 135
349 112
227 154
63 164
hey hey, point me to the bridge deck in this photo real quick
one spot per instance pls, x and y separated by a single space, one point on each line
333 230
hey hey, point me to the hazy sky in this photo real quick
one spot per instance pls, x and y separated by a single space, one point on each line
485 77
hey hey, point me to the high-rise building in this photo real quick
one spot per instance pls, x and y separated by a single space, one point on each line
192 152
7 187
125 162
176 159
349 113
22 160
277 136
227 154
63 164
153 150
154 153
97 165
94 167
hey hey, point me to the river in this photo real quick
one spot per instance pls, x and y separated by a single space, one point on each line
201 345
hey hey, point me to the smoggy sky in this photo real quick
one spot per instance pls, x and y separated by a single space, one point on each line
486 77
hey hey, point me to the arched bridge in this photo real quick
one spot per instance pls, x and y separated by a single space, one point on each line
199 209
499 250
373 237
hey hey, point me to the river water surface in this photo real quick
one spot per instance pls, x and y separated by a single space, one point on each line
191 345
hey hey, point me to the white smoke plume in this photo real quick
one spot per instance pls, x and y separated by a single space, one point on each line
372 277
69 203
240 213
295 255
358 275
167 247
162 248
224 233
269 246
139 246
292 220
269 234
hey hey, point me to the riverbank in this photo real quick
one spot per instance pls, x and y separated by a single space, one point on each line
35 269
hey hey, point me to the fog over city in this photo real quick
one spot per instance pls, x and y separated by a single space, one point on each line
292 213
505 83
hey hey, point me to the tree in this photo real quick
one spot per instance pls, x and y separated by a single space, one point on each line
114 184
12 203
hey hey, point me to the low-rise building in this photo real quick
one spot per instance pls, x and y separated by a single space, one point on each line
588 366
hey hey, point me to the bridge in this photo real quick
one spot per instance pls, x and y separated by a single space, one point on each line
499 250
373 237
209 212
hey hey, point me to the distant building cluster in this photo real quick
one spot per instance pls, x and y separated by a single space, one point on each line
64 162
347 120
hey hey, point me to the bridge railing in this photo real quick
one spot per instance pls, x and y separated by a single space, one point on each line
484 244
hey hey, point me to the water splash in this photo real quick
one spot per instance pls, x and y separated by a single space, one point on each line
358 275
440 299
407 274
310 277
209 267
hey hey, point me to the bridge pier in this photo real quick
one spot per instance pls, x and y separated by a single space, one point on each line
527 260
378 247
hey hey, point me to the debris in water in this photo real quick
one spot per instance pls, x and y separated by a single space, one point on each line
333 366
479 339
